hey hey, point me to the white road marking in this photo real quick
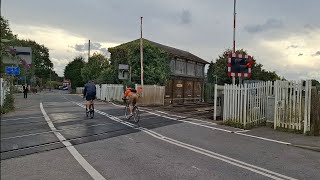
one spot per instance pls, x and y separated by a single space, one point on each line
93 172
16 119
197 124
196 168
266 139
220 129
242 131
224 130
186 117
116 104
238 163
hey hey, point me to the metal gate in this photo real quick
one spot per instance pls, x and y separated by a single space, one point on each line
292 105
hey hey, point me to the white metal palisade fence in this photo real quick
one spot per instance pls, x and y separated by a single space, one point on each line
246 104
292 105
106 92
110 92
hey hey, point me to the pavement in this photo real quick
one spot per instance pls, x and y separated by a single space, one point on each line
48 136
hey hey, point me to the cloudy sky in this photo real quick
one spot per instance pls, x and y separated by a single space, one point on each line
283 35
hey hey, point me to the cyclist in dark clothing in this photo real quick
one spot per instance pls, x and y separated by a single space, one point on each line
89 93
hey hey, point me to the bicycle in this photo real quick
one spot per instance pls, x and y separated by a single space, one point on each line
91 110
135 111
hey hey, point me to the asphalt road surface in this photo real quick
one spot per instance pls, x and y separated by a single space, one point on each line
49 137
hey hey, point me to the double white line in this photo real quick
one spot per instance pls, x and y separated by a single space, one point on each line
238 163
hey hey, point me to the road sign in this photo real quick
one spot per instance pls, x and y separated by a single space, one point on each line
239 65
123 72
10 70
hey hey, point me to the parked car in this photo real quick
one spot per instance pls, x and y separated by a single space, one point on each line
63 87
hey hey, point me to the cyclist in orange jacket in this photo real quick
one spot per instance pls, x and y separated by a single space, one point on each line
131 93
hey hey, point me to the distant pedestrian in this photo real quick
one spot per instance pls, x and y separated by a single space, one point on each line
25 92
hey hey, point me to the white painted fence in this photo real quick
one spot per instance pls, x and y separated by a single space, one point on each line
79 90
111 92
106 92
4 88
292 105
246 104
152 94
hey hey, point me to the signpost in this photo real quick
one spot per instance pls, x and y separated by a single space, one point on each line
13 71
123 71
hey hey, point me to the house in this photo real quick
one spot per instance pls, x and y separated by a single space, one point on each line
186 81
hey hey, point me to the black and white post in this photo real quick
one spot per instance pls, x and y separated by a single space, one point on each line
234 35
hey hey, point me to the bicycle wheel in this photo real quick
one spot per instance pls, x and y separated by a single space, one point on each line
91 112
136 115
126 112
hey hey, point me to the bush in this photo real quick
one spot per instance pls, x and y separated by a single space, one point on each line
54 84
8 104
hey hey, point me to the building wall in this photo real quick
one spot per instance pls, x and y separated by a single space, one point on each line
186 83
183 67
183 90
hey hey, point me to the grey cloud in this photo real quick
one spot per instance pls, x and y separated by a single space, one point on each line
311 26
269 24
119 22
316 54
84 47
104 50
185 17
79 47
292 46
300 54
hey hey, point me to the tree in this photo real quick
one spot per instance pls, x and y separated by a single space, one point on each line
96 64
107 76
220 69
41 63
73 72
156 62
315 82
6 32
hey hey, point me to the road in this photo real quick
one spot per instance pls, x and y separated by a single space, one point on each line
49 137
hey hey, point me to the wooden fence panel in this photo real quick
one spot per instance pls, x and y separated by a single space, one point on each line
151 95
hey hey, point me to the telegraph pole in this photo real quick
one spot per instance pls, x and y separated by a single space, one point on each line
89 50
141 52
